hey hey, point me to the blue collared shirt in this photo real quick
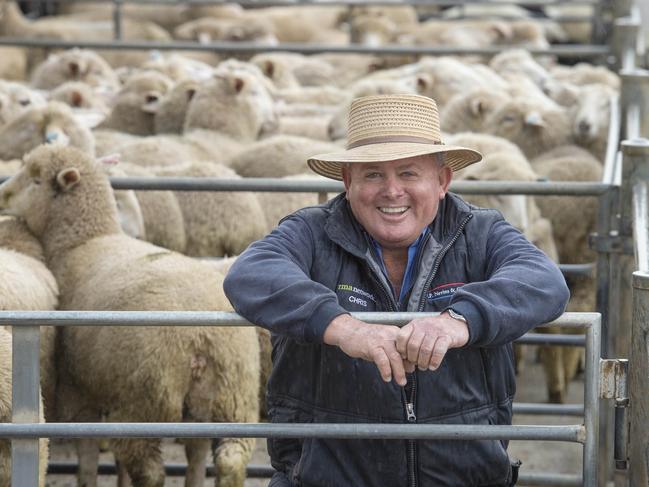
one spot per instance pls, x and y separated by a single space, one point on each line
411 272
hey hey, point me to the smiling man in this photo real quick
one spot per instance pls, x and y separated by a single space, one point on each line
395 240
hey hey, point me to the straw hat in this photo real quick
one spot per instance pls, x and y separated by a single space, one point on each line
390 127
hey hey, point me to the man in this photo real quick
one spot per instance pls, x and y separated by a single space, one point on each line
396 240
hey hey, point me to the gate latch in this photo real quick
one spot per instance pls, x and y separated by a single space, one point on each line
613 375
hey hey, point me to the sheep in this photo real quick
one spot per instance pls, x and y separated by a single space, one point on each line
520 61
107 141
277 156
13 64
216 223
28 285
372 31
533 126
15 98
459 33
466 112
209 29
134 373
177 67
291 70
5 416
591 118
160 211
75 65
136 103
584 74
348 68
54 123
573 219
170 114
79 95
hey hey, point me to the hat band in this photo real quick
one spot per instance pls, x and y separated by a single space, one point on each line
382 139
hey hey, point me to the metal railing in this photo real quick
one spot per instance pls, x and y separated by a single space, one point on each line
25 429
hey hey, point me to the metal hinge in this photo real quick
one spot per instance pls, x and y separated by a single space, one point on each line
613 375
611 243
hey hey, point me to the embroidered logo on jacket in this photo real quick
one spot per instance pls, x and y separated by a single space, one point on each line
445 291
356 299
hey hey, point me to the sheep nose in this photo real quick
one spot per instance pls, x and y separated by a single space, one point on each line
584 127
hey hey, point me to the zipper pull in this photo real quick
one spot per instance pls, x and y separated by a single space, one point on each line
410 412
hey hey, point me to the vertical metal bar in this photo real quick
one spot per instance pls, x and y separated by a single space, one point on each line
322 198
641 225
117 19
591 403
25 403
639 384
635 102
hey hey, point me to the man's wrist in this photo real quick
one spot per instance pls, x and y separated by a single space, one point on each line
338 329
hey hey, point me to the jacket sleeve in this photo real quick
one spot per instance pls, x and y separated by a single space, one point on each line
523 288
270 284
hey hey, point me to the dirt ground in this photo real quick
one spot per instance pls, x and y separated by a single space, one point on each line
537 457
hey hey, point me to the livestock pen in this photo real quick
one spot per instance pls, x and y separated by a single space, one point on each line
622 230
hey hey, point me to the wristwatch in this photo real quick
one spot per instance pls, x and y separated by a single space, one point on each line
455 315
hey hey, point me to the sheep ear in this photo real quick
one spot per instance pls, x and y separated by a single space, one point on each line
269 68
190 93
477 107
77 99
74 68
238 84
503 31
68 178
424 82
109 160
152 102
535 120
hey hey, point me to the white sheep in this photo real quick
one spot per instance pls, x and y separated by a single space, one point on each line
533 126
210 29
573 220
466 112
169 117
591 117
54 123
16 98
82 65
520 61
135 105
199 374
13 63
80 95
584 74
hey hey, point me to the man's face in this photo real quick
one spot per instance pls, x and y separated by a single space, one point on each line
395 200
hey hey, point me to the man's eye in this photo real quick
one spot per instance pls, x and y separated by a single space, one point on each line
372 175
408 174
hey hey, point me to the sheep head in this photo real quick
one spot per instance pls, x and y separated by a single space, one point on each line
60 191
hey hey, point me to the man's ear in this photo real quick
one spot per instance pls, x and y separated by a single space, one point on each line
445 177
346 177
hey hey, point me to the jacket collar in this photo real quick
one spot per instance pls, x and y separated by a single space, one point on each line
343 229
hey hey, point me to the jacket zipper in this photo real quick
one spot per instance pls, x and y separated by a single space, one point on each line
410 402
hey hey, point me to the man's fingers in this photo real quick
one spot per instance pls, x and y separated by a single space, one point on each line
402 339
409 366
414 344
396 362
426 352
380 358
441 347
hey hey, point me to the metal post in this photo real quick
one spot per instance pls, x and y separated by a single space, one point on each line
25 403
117 19
591 404
639 383
635 102
624 41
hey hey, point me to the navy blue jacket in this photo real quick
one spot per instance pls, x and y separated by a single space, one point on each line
318 264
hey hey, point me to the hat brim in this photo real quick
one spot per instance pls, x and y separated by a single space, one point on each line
330 165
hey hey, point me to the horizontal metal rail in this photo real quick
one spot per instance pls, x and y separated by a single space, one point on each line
584 270
552 339
214 318
641 226
266 471
575 50
320 3
277 185
568 433
548 409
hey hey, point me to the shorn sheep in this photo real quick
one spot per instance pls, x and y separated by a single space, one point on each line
141 374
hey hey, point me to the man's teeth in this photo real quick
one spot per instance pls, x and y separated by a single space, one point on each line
388 209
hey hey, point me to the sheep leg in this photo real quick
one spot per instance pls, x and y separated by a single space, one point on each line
552 360
230 459
123 480
88 454
196 450
142 459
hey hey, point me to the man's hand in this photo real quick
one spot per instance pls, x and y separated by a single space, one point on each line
371 342
424 341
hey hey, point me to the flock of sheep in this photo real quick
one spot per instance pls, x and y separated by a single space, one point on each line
70 119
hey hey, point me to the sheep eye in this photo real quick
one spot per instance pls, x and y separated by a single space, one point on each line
24 102
508 119
37 181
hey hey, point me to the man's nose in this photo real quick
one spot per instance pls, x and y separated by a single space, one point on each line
393 187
